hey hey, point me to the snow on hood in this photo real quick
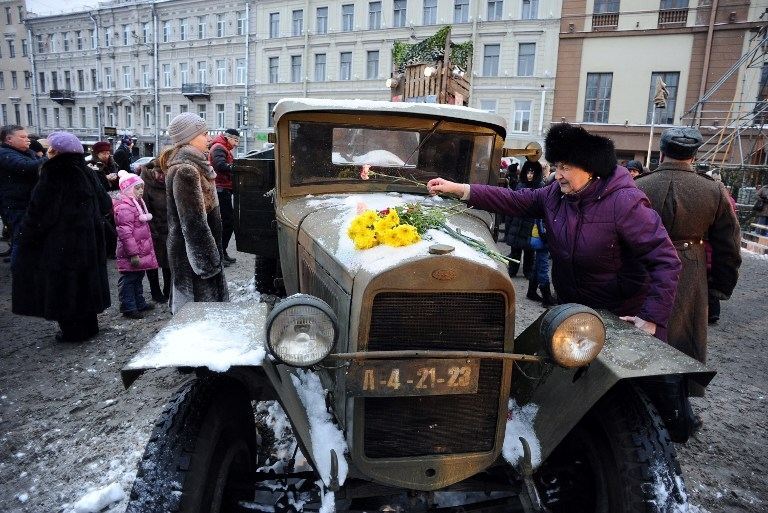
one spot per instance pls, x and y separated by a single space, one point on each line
213 335
520 424
381 258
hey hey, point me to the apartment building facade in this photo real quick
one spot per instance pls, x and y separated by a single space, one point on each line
16 106
134 65
612 51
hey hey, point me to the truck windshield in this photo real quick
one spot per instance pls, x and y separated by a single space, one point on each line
323 153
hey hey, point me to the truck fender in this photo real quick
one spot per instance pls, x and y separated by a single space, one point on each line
563 396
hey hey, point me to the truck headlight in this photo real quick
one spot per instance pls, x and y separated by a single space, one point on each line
574 334
301 330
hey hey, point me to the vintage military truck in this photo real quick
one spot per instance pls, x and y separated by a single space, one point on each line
407 384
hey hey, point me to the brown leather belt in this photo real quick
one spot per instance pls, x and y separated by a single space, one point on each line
686 243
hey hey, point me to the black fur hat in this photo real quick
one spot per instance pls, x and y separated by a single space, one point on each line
573 145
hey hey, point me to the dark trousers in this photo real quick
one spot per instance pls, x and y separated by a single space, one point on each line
13 217
79 329
153 277
714 308
130 290
110 237
528 258
227 216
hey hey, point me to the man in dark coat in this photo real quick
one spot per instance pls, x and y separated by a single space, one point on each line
694 208
123 155
221 158
19 168
61 271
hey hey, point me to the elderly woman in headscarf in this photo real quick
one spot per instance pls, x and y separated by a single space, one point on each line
61 271
194 220
608 246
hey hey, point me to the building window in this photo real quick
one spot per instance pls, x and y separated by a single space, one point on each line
166 75
673 4
183 28
145 33
530 10
70 117
345 66
17 113
126 35
107 38
202 111
41 78
665 116
240 71
372 65
144 75
14 80
526 59
319 67
238 115
460 11
295 68
166 115
43 115
491 60
80 80
495 10
4 119
24 48
274 24
68 80
28 79
184 72
94 39
241 23
521 117
274 64
297 22
128 116
399 13
30 121
270 108
78 40
597 100
8 18
347 17
201 34
488 105
202 72
221 26
220 115
147 116
11 48
95 114
221 72
56 118
2 82
40 43
55 79
83 120
430 12
107 79
374 15
94 85
127 81
321 26
52 42
603 6
166 31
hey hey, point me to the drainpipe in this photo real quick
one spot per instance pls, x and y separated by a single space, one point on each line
707 55
35 105
157 79
246 107
541 110
305 57
474 47
100 121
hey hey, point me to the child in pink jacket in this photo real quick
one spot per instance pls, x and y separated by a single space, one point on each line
135 252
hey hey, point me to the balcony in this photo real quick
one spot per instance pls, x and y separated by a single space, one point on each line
673 18
62 96
196 90
605 21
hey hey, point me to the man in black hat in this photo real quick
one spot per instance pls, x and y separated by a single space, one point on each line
635 168
124 153
221 158
694 208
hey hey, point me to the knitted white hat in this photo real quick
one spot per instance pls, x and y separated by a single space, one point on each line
185 127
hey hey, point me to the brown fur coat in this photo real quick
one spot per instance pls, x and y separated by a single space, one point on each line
194 229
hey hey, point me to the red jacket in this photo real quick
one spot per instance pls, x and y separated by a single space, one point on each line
221 159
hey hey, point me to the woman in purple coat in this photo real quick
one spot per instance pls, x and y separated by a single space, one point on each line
608 246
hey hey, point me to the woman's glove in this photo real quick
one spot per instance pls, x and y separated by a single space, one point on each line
135 262
647 326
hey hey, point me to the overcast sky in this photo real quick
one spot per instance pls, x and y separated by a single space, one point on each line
58 6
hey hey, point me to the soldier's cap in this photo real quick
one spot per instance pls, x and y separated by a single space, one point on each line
680 143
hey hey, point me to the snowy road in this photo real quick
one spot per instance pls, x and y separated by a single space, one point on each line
68 427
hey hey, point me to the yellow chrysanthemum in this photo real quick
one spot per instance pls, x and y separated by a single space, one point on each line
365 240
403 235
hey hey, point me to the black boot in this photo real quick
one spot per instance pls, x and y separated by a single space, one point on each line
532 295
546 293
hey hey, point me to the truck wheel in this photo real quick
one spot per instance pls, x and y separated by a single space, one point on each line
619 459
203 444
268 276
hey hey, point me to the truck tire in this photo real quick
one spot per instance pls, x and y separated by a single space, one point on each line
619 459
268 276
203 442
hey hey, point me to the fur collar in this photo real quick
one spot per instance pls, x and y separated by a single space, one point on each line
188 154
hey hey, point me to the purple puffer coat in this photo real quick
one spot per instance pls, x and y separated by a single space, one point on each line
608 246
133 235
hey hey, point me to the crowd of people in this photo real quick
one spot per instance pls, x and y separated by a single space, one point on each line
69 215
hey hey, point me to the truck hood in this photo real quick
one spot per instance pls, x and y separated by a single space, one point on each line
323 222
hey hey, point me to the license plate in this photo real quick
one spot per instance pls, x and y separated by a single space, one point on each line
389 378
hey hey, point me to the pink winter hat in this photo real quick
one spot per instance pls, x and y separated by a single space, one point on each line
128 180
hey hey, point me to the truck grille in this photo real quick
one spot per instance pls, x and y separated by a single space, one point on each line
435 425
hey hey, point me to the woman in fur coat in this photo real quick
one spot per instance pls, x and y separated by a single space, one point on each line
61 271
157 203
194 221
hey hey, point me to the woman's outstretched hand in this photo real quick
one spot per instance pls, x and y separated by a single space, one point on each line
443 186
647 326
